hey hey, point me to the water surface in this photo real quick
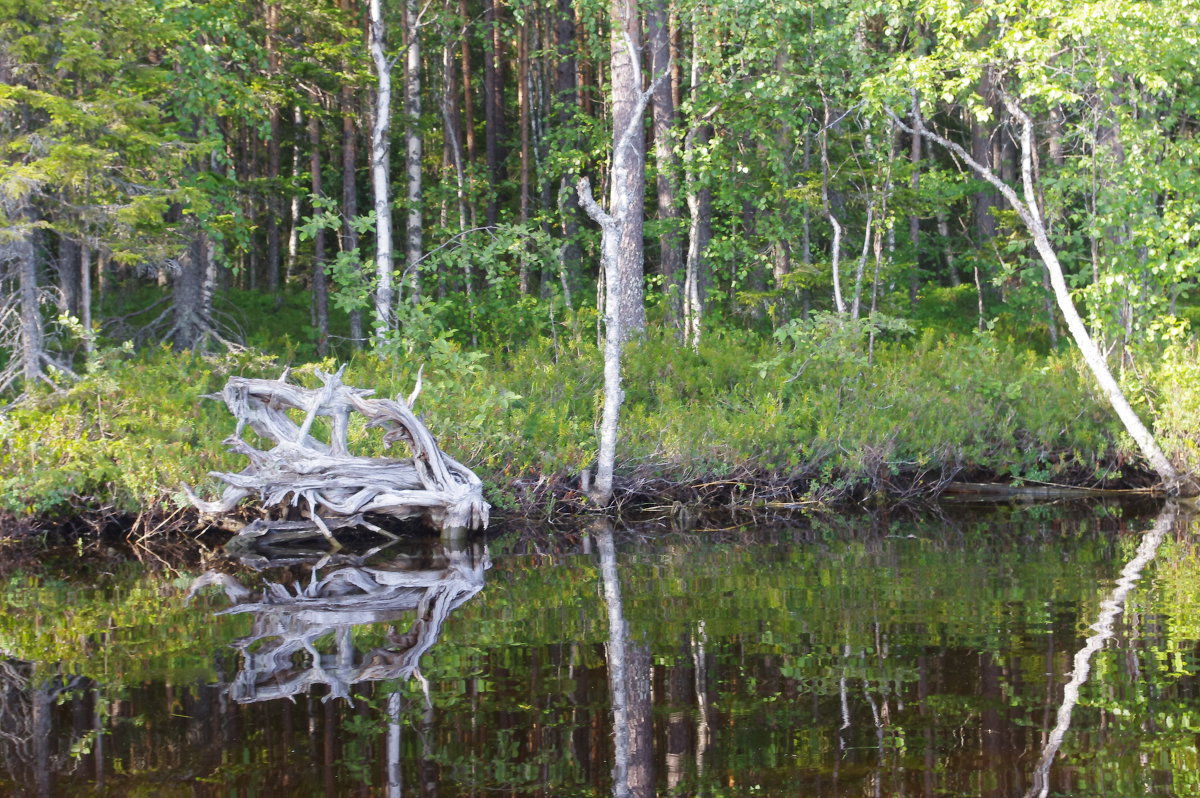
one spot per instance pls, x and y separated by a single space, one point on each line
844 657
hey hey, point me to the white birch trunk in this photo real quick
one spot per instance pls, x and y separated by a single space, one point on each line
1031 216
380 172
412 139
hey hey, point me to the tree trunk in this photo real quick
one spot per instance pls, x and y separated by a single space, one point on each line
566 96
381 172
523 122
914 221
276 131
836 245
85 296
22 251
67 269
1031 216
320 289
293 243
628 184
468 96
666 162
493 107
699 202
412 138
350 200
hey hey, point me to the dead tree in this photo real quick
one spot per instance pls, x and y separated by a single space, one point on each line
325 479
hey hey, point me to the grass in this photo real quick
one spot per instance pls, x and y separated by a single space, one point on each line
814 406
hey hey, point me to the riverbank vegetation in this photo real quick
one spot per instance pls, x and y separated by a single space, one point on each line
860 233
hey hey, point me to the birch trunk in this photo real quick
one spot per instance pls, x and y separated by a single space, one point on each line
412 137
381 172
699 202
1031 216
836 245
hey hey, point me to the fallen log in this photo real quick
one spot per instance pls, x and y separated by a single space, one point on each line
325 479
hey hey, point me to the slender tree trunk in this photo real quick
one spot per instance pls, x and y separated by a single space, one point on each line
493 107
293 243
21 250
85 296
620 251
699 202
666 163
350 199
468 95
566 96
412 137
523 122
836 246
273 157
381 171
1031 216
914 221
320 289
868 231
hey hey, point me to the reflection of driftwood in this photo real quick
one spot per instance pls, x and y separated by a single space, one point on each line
281 656
333 483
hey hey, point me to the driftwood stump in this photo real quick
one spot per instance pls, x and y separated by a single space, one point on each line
332 485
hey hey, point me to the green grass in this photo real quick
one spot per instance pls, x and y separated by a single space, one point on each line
813 403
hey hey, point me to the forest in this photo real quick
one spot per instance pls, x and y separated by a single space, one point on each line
835 249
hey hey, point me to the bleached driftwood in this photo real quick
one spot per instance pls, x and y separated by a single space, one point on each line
325 479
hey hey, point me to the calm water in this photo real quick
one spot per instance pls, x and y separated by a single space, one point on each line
849 657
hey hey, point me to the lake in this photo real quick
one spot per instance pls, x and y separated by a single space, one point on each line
833 656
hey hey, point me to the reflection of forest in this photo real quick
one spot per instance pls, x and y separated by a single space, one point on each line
866 691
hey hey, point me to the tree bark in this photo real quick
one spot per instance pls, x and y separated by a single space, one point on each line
381 172
1031 216
666 162
836 246
628 184
320 289
699 202
523 122
273 157
412 139
85 296
67 268
21 250
293 243
493 107
349 113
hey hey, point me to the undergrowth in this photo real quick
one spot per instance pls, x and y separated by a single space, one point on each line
819 403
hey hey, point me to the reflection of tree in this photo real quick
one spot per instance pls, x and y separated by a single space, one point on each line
1110 608
282 656
629 677
27 702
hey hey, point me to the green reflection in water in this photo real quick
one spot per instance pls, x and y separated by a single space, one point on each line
859 658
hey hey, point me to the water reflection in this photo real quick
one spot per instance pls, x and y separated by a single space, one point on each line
856 660
29 748
295 626
1103 631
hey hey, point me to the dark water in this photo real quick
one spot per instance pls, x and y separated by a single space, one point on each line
848 657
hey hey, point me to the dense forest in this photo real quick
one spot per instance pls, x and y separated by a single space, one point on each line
851 235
